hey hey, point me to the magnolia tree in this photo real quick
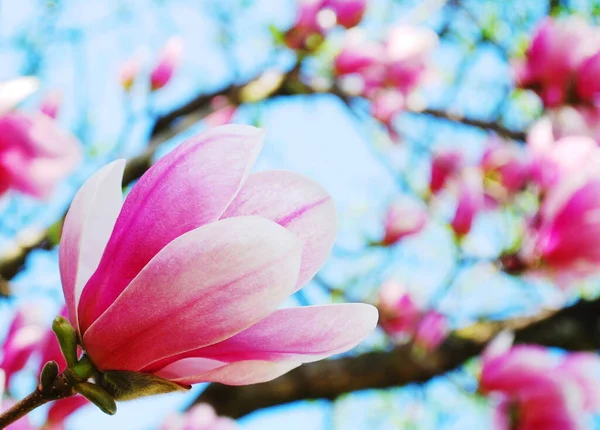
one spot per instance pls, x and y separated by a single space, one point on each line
150 250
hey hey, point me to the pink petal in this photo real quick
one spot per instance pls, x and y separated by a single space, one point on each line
296 203
203 287
190 187
298 334
86 230
238 373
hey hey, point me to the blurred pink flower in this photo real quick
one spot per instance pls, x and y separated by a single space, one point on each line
561 159
407 53
357 56
51 104
538 389
199 417
305 25
506 164
22 340
557 51
399 314
470 201
130 70
348 13
386 105
222 113
587 85
199 235
565 242
445 164
34 153
431 331
167 63
404 217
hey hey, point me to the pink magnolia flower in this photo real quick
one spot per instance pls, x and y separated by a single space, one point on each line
199 417
564 243
167 63
223 112
51 104
557 51
183 279
34 153
470 201
404 217
407 52
348 13
358 56
306 25
559 159
386 105
537 389
22 340
445 164
131 68
399 314
431 331
507 165
587 84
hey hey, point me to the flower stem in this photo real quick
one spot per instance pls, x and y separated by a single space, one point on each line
61 388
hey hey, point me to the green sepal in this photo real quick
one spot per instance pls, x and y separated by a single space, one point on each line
67 339
98 396
48 375
125 385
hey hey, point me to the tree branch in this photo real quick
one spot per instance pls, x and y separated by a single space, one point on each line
184 117
574 328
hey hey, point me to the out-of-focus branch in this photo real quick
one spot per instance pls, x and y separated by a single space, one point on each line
181 118
574 328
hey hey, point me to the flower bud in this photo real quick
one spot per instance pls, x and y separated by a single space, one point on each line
67 339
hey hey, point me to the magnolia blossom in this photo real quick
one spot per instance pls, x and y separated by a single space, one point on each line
404 217
445 164
22 340
431 331
386 105
348 13
399 313
552 61
129 71
507 165
306 25
51 104
200 417
183 279
34 153
400 63
563 159
408 49
167 63
587 82
470 201
223 112
564 242
536 389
